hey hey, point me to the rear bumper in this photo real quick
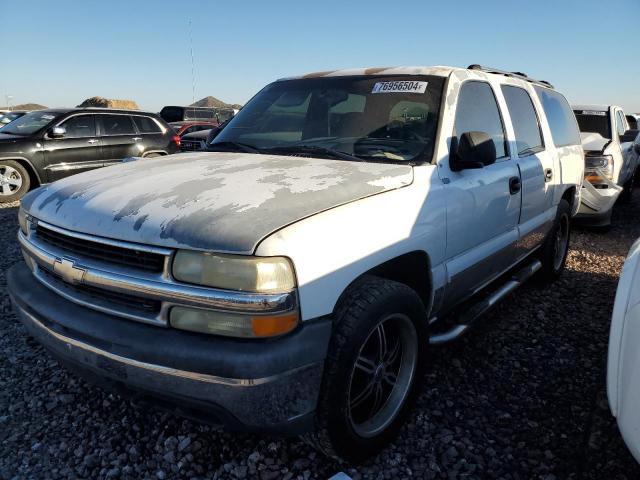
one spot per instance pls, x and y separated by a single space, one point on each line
262 386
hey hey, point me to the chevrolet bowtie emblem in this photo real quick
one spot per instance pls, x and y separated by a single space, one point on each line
68 271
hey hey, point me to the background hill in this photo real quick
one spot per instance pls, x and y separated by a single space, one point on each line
214 102
26 106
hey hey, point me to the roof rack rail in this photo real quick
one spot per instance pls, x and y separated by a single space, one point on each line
520 75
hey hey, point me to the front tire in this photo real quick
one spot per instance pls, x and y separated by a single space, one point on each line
14 181
376 354
554 250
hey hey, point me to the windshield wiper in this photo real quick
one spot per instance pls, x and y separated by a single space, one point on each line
313 149
243 147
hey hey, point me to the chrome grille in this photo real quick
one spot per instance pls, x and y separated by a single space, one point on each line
131 303
138 259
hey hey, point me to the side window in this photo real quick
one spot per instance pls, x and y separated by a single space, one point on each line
621 126
524 120
146 125
633 123
80 126
117 125
562 121
478 112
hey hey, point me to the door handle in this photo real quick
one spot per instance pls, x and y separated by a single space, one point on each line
92 141
136 139
514 185
548 174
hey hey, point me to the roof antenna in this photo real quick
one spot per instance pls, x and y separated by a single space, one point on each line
193 70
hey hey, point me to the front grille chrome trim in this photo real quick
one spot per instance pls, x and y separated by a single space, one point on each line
99 306
154 287
107 241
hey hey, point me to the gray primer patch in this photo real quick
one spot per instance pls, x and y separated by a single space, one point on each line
225 202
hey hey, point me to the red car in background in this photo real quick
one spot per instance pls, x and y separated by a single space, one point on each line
190 126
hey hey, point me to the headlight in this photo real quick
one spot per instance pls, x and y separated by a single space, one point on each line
604 163
23 220
232 324
235 272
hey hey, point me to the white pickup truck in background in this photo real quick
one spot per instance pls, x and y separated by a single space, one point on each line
610 161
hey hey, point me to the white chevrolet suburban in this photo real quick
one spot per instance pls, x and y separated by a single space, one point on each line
610 158
292 278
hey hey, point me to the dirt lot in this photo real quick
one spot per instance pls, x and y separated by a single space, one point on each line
522 397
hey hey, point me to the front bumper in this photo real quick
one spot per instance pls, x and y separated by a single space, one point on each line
596 205
269 385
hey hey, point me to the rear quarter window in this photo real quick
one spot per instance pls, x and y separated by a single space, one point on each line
524 120
562 121
146 125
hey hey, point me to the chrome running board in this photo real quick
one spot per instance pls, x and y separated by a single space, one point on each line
470 316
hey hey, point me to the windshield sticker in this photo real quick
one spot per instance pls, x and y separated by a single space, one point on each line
400 87
48 117
593 112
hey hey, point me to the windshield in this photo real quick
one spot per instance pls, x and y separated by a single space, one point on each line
29 123
373 118
594 122
9 117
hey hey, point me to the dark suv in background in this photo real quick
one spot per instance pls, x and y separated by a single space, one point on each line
47 145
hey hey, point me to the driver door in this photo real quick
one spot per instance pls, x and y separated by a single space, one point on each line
483 205
77 151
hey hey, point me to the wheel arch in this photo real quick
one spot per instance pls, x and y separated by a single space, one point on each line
572 197
151 152
26 163
412 269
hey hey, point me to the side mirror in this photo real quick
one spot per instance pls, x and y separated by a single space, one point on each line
629 136
57 132
472 150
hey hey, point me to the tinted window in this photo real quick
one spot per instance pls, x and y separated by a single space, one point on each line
594 121
633 123
524 120
478 112
562 121
146 125
80 126
172 114
117 125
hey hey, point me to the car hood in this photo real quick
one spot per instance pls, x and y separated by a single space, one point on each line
225 202
593 142
7 137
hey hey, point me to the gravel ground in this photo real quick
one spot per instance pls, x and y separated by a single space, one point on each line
522 397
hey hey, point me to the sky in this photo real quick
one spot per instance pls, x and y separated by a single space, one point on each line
58 53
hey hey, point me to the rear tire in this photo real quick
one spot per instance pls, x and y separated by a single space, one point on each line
376 354
554 250
14 181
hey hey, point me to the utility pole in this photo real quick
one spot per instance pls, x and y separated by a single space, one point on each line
8 101
193 69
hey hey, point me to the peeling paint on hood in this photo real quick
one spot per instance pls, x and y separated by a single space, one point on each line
225 202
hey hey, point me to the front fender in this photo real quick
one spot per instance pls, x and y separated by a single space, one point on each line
331 249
